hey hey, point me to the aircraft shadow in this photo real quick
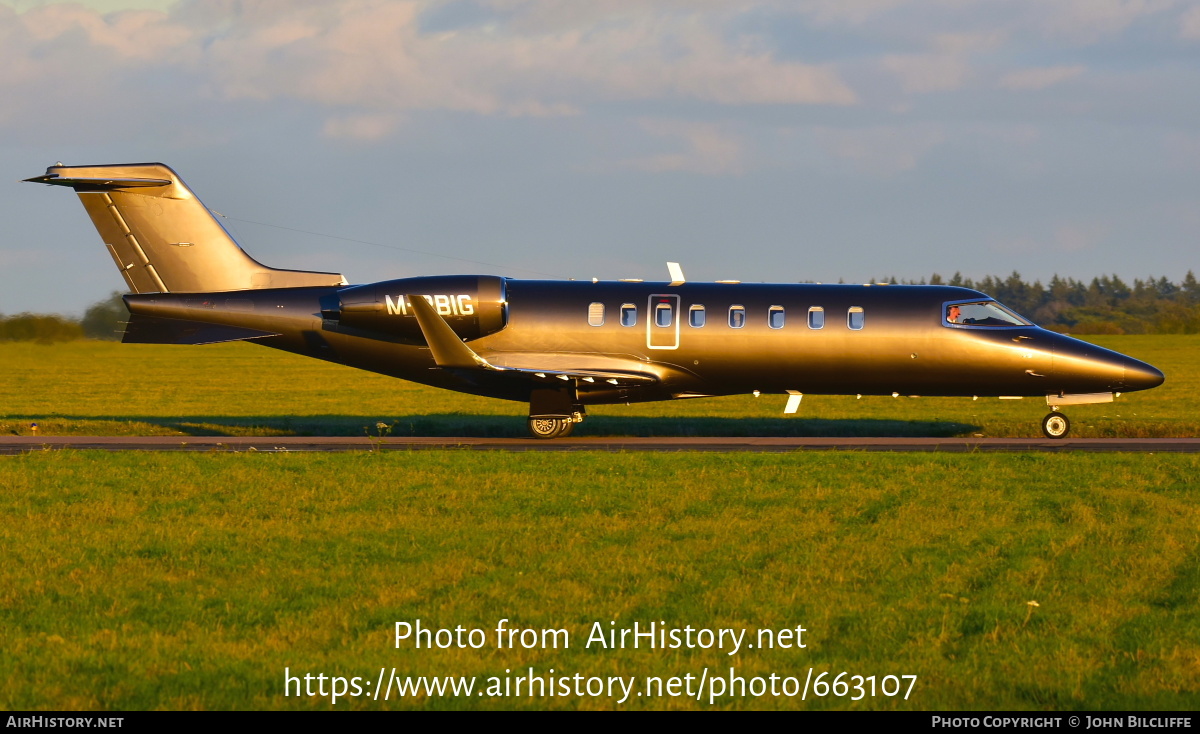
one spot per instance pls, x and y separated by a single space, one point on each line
495 426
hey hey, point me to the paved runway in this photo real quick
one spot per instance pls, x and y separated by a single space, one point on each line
11 445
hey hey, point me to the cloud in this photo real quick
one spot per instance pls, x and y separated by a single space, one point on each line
708 150
924 73
946 67
366 128
882 151
1088 21
1189 24
132 35
1079 237
1040 78
1183 149
1068 237
365 58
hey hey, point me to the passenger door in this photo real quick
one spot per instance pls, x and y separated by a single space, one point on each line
662 321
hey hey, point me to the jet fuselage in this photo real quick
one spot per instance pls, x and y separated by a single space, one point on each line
696 339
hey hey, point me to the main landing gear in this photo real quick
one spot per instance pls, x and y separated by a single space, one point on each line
1056 425
553 412
552 426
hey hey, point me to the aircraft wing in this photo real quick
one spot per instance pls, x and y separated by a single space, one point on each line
449 352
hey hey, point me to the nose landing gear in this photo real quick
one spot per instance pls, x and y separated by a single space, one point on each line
1056 425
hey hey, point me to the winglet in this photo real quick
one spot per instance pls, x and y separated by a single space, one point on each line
447 348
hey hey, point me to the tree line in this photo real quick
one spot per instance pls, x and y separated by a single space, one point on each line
102 320
1106 305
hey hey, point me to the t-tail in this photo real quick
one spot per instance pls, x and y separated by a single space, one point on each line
162 238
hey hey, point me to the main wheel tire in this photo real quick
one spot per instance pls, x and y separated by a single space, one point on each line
540 427
1056 425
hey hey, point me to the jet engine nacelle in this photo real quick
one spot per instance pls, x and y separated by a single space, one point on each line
474 306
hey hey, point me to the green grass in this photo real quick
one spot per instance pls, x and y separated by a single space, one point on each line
97 388
139 581
136 581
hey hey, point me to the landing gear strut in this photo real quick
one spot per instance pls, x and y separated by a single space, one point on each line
1056 425
553 412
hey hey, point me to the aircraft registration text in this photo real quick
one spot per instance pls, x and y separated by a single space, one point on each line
445 305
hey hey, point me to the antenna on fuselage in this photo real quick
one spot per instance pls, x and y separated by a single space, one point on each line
676 274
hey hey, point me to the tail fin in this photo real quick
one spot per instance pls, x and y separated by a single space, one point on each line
163 238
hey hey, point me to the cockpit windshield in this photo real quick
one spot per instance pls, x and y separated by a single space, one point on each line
982 313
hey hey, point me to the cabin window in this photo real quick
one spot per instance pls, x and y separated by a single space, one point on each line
737 317
775 317
696 316
816 317
855 318
596 314
662 315
628 314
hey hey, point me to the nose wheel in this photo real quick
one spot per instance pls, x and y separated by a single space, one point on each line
1056 425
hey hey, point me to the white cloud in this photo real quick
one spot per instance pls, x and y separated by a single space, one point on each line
1068 237
850 13
59 30
367 128
1040 78
1088 21
103 6
1079 237
366 57
969 43
881 151
1183 149
1189 24
946 67
924 73
708 150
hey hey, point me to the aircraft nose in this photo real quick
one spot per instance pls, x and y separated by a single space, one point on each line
1141 376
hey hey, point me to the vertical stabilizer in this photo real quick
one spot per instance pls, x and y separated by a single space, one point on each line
162 238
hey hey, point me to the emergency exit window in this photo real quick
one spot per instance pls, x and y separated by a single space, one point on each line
596 314
662 315
628 315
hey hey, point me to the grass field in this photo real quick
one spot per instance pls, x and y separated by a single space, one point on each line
136 581
192 581
99 388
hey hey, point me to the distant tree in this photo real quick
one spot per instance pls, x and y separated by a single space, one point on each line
1191 288
103 319
43 328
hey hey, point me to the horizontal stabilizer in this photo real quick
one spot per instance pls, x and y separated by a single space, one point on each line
98 184
157 330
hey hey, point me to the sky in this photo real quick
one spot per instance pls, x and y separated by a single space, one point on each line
760 140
